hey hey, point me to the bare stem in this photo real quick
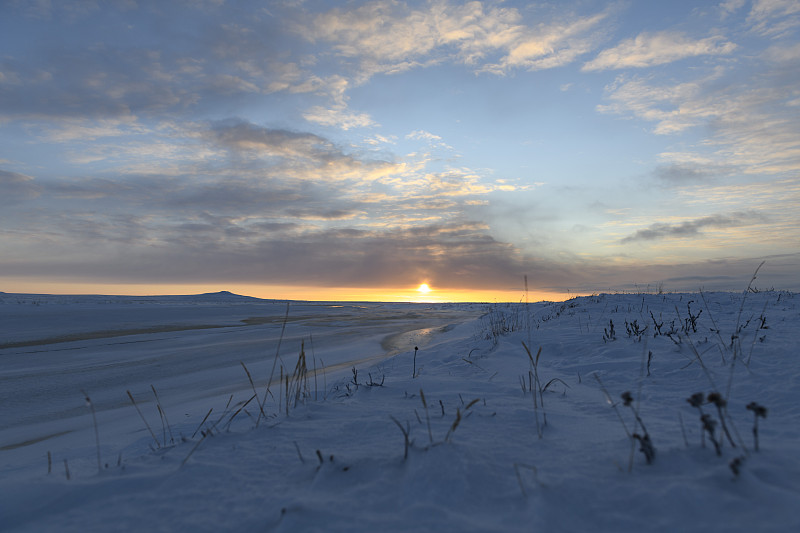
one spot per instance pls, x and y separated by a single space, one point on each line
152 434
96 432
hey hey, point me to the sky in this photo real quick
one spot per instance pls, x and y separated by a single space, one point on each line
356 150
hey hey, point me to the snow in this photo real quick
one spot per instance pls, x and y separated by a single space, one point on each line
335 460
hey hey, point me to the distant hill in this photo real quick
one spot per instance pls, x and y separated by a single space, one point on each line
222 295
209 297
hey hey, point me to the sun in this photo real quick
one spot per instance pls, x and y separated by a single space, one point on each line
423 289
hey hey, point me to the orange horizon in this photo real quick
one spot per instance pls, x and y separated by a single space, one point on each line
408 294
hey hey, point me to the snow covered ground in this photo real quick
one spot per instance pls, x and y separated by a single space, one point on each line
484 453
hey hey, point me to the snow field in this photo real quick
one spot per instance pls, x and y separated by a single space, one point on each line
337 463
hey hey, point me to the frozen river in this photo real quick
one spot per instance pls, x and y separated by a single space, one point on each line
189 348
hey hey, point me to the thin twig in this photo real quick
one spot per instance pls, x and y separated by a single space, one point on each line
612 404
277 355
96 432
203 422
158 444
258 401
735 339
164 413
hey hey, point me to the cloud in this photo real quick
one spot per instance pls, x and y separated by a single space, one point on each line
456 182
337 113
82 129
134 70
88 189
692 228
217 57
673 107
729 7
782 54
752 124
267 204
222 249
243 136
423 135
650 49
213 64
391 37
295 155
377 140
388 33
15 187
127 124
338 116
98 82
266 199
246 231
688 173
69 11
433 141
722 274
774 18
237 165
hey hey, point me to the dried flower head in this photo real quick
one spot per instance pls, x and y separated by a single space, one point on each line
646 446
717 399
758 410
708 423
696 399
736 465
627 399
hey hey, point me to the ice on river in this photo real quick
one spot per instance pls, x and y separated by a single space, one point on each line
189 348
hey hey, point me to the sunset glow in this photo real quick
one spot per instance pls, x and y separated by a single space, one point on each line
312 152
290 292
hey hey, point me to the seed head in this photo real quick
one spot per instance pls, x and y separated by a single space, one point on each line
717 399
627 399
736 465
758 410
696 399
708 423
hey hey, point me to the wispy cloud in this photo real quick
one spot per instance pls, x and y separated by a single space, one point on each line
422 134
693 228
752 125
388 37
681 173
15 187
82 129
650 49
729 7
338 116
774 18
550 45
97 82
242 136
391 37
